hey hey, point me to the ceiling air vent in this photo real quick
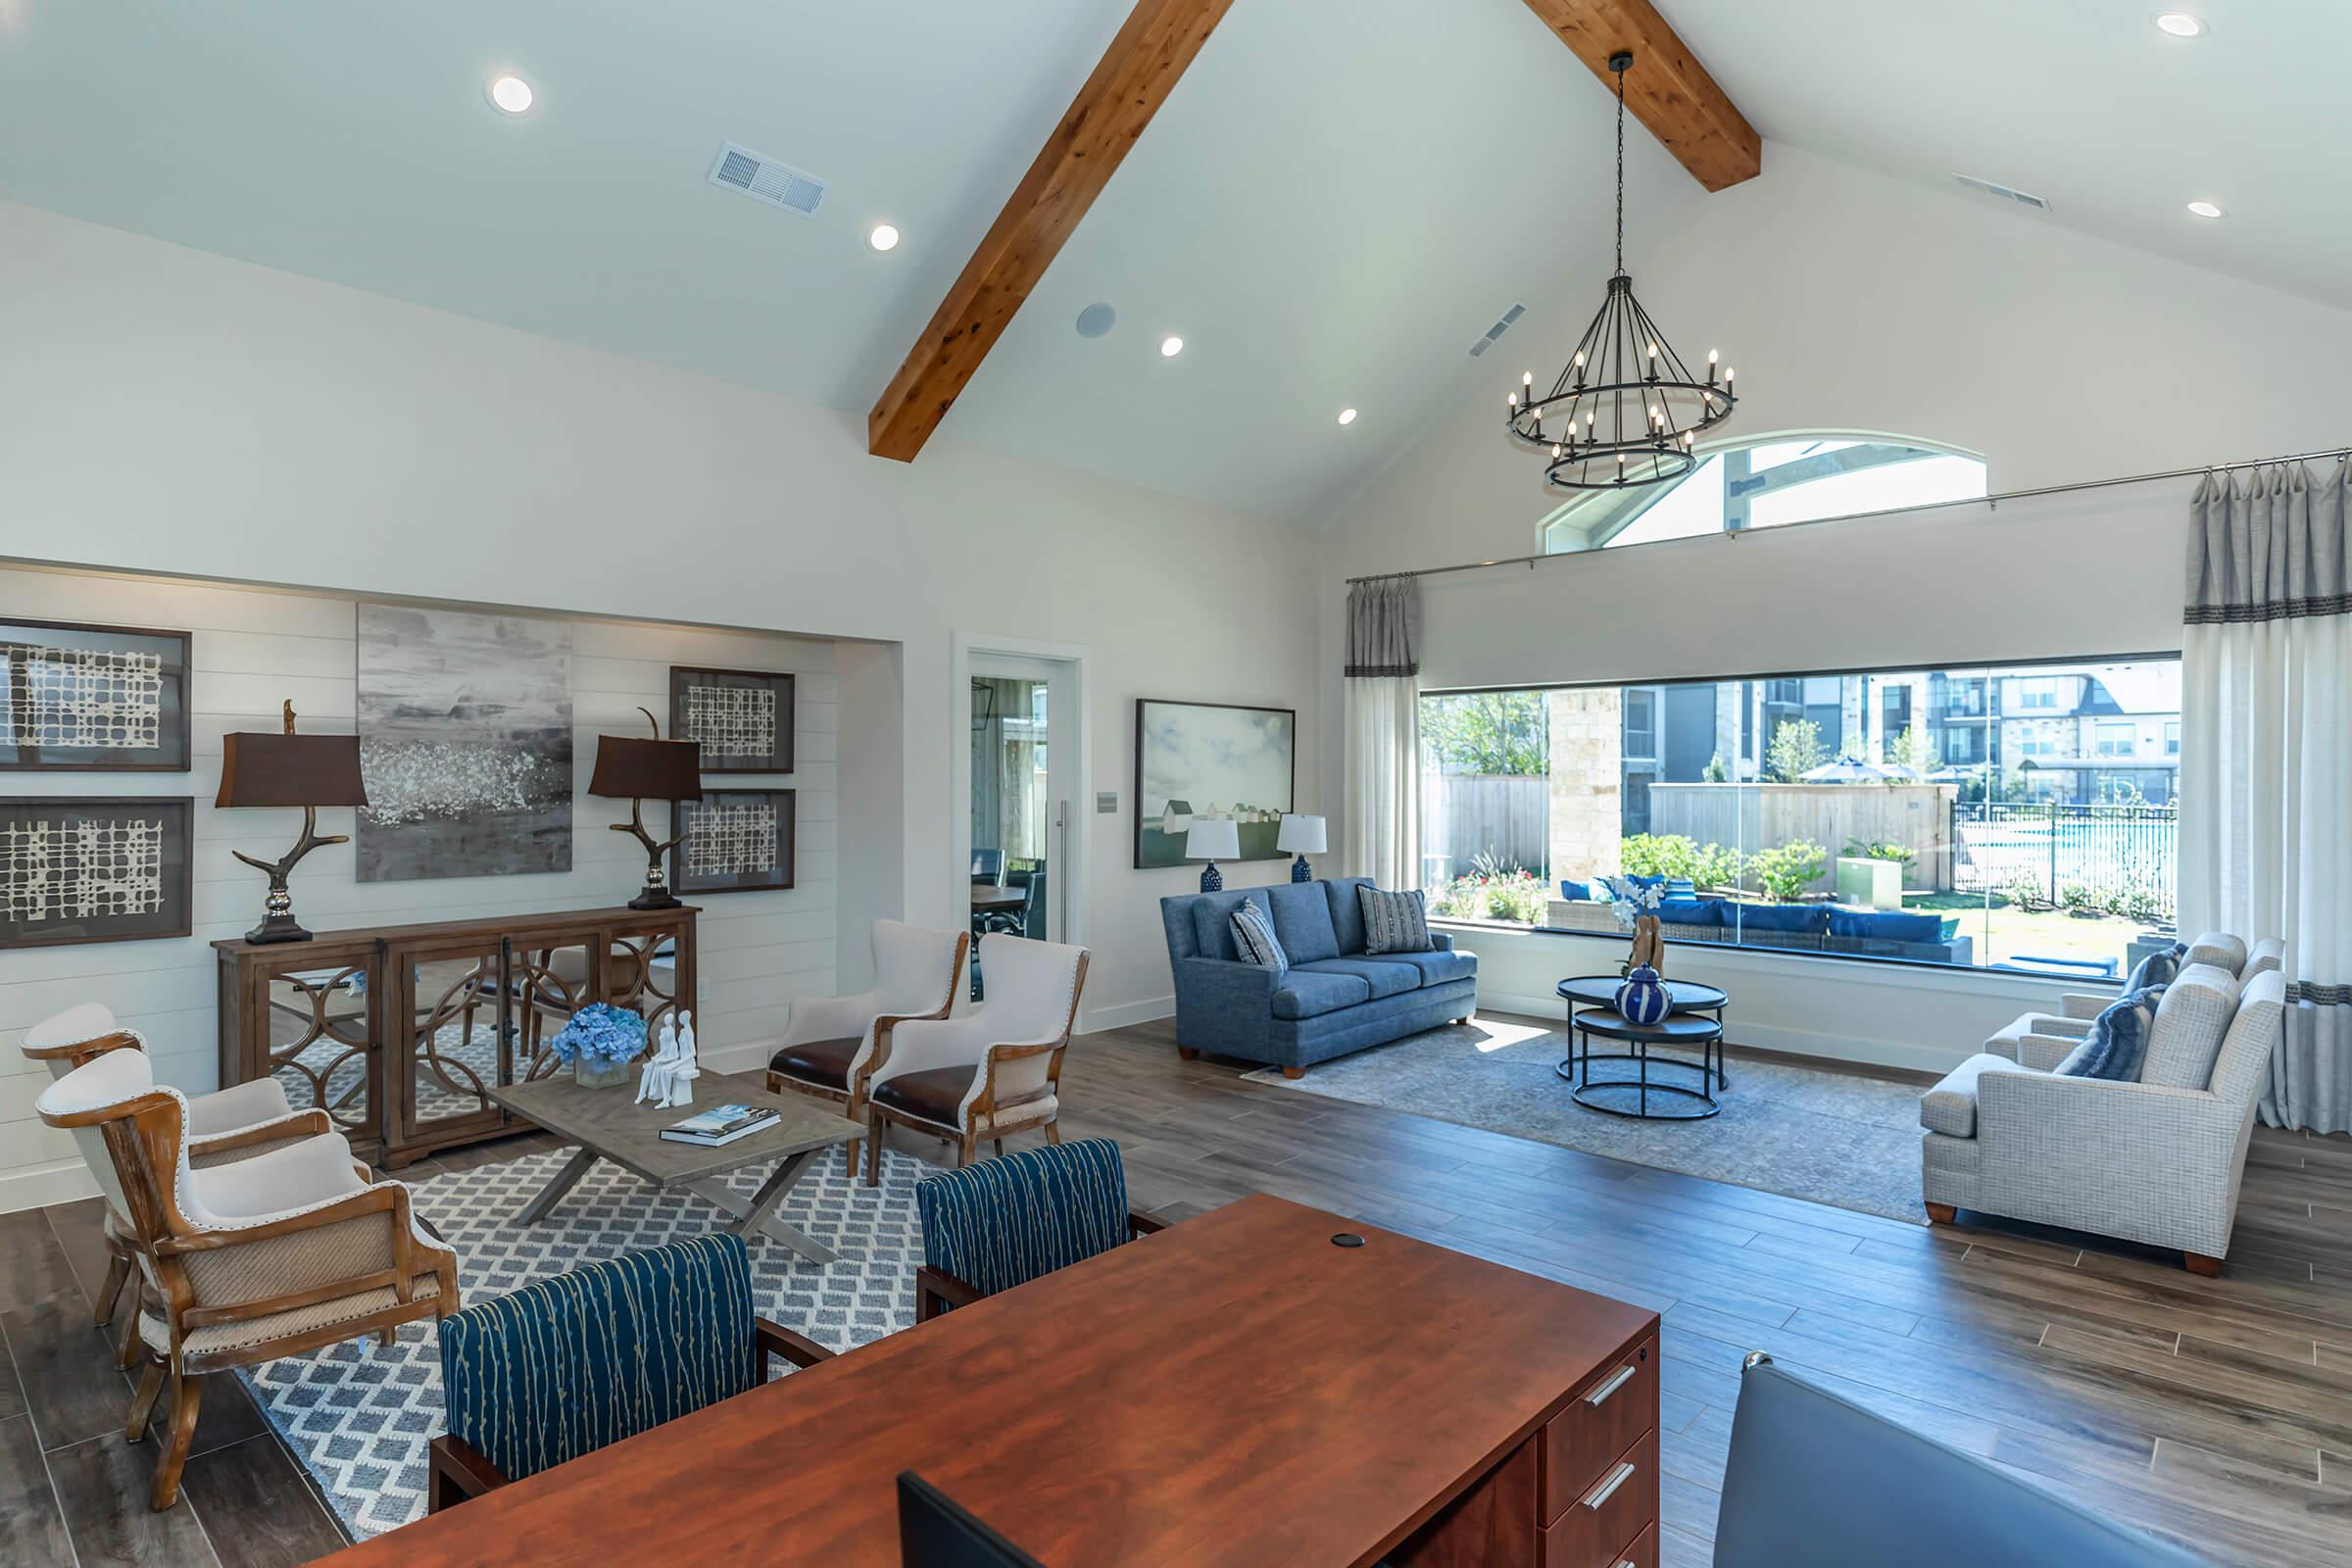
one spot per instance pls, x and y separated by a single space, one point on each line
2004 192
764 180
1502 324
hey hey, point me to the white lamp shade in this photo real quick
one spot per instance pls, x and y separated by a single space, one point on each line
1213 837
1301 834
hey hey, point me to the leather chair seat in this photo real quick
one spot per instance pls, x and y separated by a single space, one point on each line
934 1094
823 1063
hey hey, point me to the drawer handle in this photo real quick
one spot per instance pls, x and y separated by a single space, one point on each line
1608 1488
1616 1380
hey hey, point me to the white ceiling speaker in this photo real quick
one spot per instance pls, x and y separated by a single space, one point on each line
2007 193
764 180
1486 341
1096 320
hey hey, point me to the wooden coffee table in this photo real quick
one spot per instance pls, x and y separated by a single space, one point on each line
608 1126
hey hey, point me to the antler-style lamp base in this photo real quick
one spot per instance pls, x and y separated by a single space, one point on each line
289 769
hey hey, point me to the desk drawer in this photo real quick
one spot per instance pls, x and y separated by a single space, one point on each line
1615 1519
1603 1418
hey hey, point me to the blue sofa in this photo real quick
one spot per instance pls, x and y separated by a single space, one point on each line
1335 999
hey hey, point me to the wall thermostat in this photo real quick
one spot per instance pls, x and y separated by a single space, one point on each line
1106 803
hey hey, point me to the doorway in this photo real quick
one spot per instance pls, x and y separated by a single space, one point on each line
1024 763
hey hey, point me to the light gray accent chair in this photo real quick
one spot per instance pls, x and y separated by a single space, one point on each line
2157 1161
2042 1039
1815 1479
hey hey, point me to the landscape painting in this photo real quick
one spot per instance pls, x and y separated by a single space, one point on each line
464 726
1195 760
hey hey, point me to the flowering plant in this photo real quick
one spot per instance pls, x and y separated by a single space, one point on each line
1631 900
602 1033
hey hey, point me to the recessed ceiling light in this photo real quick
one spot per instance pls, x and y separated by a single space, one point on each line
511 93
1171 346
1347 415
2180 25
883 238
2205 209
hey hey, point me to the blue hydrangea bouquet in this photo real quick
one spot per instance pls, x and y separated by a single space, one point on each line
599 1044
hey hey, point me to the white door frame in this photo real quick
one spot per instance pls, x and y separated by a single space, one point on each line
961 646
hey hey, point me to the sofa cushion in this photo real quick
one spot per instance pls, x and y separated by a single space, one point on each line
1950 1107
1213 922
1308 994
1691 911
1435 968
1301 914
1576 892
2186 1036
1254 937
1394 922
1347 911
2219 948
1386 977
2265 955
1886 926
1807 918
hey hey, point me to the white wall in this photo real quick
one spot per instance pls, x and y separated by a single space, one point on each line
165 409
1851 302
251 649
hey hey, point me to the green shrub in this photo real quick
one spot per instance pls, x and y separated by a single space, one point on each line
1785 870
1879 850
2136 904
2076 897
2024 891
1673 854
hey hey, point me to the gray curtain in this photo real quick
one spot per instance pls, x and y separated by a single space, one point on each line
2266 758
1383 625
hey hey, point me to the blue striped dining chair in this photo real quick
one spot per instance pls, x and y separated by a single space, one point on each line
1004 1222
565 1366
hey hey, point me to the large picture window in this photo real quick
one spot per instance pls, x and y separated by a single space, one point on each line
2013 819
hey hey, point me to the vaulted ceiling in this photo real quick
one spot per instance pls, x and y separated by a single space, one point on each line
1335 201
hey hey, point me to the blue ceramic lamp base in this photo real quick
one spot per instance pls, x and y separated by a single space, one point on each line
1211 881
1300 872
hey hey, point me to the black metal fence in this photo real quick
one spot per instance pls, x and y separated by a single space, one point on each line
2118 858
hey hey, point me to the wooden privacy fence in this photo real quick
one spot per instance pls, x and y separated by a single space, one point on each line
1465 814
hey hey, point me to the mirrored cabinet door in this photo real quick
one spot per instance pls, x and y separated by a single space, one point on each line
451 1006
322 1041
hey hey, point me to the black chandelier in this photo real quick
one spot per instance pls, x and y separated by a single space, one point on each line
1625 411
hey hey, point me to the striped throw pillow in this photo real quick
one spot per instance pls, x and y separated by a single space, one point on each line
1254 934
1394 922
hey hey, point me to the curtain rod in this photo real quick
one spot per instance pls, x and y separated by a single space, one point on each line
1992 500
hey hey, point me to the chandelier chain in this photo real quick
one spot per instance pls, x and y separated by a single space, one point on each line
1621 168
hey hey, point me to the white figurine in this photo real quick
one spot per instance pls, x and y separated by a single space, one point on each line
685 1069
653 1083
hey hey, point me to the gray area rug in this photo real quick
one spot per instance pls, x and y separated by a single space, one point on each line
1829 1137
358 1415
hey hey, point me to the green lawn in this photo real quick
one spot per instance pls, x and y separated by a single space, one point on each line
2001 930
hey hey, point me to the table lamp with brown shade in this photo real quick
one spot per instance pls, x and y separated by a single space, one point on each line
289 769
636 769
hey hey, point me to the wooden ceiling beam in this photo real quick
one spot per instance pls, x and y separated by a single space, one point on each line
1136 75
1668 90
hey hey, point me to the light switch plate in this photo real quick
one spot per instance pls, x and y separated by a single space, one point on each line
1106 803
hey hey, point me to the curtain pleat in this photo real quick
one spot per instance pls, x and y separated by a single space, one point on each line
1384 731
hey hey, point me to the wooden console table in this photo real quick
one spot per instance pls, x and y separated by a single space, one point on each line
401 1032
1234 1390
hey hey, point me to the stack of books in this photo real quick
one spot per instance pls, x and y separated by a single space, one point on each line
720 1124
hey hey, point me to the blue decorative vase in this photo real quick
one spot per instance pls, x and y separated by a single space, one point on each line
1211 879
1643 999
1300 872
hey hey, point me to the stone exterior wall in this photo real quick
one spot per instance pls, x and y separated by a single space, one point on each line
1587 781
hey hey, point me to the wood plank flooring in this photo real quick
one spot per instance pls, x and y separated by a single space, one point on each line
2218 1412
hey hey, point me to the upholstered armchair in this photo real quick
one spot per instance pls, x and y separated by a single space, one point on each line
994 1071
553 1371
1005 1222
232 1124
2043 1040
2156 1161
833 1045
241 1262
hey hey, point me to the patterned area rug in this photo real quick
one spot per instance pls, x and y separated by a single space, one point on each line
358 1415
1835 1138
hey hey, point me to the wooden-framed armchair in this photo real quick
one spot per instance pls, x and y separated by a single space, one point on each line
242 1262
992 1072
230 1124
687 1340
1005 1222
833 1045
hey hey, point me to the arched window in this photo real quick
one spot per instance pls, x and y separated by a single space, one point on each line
1764 483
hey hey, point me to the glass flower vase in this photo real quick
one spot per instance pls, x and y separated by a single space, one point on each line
595 1072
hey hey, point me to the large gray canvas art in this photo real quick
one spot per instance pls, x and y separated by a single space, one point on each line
465 744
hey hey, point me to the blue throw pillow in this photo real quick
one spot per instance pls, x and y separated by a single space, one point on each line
1691 911
1812 918
1885 925
1394 922
1644 881
2117 1041
1574 892
1254 938
2157 969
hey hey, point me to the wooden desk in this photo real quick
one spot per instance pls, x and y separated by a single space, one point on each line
1235 1390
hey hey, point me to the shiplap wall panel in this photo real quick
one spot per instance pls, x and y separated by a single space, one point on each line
251 649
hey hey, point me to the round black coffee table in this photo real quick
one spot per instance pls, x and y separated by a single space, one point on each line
1675 1029
1683 995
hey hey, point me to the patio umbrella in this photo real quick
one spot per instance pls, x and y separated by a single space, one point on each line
1850 770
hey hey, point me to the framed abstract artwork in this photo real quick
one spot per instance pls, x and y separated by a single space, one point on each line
95 868
93 698
464 725
743 718
1211 760
737 841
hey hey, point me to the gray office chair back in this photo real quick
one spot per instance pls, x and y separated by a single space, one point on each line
1815 1479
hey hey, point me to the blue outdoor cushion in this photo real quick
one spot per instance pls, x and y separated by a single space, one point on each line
1885 925
1644 881
1306 994
1386 978
1302 919
1800 917
1576 892
1691 911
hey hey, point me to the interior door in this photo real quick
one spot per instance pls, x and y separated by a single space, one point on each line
1024 744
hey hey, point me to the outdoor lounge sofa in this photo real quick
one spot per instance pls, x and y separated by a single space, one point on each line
1784 927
